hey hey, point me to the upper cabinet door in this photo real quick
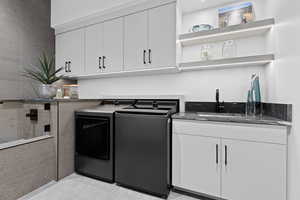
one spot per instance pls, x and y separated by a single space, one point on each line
253 171
135 41
94 49
113 46
162 36
61 56
76 50
71 50
196 163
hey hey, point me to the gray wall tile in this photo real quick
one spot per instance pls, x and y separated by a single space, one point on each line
25 34
26 167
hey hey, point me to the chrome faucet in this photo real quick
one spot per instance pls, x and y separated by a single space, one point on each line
220 106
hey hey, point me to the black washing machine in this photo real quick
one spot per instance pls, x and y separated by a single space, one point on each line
94 141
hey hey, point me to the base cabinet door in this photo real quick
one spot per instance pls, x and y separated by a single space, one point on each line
196 164
253 170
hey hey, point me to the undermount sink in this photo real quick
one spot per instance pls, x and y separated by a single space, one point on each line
225 115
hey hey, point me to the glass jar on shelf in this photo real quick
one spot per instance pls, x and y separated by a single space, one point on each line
229 49
207 52
70 91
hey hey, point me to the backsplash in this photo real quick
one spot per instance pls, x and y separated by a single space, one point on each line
280 111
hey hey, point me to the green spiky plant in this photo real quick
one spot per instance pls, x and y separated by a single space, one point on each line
44 72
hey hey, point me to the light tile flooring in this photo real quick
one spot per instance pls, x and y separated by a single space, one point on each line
77 187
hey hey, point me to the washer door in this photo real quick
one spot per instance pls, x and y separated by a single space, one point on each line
93 137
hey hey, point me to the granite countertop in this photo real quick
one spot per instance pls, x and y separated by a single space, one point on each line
229 117
101 97
40 100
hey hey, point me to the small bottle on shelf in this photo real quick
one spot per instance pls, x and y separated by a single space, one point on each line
229 49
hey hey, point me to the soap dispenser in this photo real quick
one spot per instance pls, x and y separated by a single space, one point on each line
253 105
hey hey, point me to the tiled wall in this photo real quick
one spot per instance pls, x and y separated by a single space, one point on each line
14 124
33 129
10 118
29 164
25 34
26 167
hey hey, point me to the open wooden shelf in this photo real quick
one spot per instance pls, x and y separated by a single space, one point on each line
257 60
228 33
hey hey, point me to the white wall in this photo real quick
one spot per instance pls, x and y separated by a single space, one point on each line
283 78
197 85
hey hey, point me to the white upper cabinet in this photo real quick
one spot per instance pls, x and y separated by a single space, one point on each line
70 52
253 171
104 47
94 49
113 45
135 41
196 163
61 56
162 36
150 39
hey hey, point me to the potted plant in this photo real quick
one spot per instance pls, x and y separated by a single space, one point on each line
46 74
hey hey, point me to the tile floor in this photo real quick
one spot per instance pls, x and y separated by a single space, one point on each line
76 187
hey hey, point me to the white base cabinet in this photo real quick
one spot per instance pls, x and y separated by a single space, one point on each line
253 170
229 167
195 157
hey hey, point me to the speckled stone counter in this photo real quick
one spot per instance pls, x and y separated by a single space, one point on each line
45 100
233 118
